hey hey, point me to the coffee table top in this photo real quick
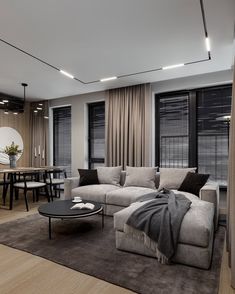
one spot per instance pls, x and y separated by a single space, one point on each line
61 209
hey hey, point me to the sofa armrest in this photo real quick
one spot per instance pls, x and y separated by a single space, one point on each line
69 184
210 193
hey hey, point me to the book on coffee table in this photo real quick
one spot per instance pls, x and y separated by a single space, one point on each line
83 206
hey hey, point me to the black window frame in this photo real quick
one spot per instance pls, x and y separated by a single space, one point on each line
193 115
93 160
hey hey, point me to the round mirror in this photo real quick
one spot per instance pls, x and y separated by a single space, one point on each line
9 135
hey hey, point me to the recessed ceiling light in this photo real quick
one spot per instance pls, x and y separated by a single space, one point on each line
6 112
46 117
35 111
40 104
5 101
108 79
39 108
208 47
1 102
67 74
15 113
173 66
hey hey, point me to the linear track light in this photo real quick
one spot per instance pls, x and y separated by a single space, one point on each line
67 74
108 79
173 66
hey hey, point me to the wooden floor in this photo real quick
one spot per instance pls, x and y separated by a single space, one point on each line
24 273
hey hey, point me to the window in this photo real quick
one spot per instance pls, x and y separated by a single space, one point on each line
173 131
191 130
62 137
96 134
213 131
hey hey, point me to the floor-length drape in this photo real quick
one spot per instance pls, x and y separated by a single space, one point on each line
39 128
128 126
231 191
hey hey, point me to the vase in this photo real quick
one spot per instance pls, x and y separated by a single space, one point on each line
12 159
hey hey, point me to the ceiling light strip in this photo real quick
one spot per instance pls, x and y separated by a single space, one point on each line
66 74
108 79
205 29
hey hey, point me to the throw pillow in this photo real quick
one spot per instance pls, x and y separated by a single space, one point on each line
88 177
140 177
193 182
109 175
172 178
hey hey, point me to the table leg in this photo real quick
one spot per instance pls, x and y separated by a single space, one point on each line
11 190
49 228
102 218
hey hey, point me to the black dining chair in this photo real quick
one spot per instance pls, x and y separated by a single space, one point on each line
31 181
4 182
54 179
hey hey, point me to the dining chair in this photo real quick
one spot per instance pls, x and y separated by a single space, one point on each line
31 181
4 182
54 179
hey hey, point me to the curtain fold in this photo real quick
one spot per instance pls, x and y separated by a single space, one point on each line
231 191
128 126
39 129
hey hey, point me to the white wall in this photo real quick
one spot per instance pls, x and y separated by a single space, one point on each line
191 82
79 125
79 110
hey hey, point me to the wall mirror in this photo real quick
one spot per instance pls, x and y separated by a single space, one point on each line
7 136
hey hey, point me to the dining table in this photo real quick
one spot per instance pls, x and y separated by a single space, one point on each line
13 171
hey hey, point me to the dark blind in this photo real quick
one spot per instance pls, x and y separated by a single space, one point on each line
174 130
62 137
213 129
96 134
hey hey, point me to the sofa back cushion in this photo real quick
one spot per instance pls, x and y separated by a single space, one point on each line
88 177
193 182
172 178
140 177
109 175
123 178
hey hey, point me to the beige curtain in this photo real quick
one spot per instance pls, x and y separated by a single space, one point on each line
39 129
231 192
128 126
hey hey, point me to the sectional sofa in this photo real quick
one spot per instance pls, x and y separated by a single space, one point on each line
119 191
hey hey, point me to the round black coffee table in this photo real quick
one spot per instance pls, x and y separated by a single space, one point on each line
62 209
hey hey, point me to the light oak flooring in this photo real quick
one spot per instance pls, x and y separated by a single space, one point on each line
24 273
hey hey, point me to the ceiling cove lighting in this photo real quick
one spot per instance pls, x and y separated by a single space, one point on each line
208 46
173 66
67 74
108 79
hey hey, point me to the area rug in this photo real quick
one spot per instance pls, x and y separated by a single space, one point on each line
83 246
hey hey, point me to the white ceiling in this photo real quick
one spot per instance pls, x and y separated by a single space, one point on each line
102 38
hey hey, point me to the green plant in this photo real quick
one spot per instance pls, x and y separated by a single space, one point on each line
13 149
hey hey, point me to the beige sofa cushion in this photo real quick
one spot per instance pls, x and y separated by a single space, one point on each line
140 177
197 225
125 196
109 175
94 192
172 178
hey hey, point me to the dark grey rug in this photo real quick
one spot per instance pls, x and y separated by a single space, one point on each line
83 246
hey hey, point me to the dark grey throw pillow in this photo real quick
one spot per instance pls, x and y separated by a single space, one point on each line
193 182
88 177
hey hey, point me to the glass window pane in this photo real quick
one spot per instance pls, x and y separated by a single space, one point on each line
96 134
62 137
174 129
213 130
